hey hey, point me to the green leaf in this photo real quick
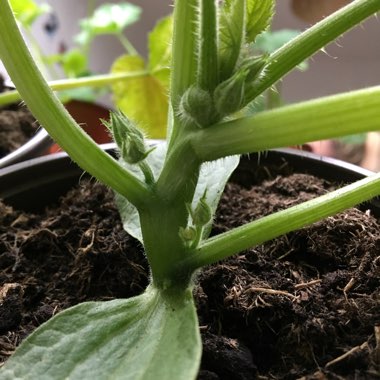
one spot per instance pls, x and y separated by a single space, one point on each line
108 19
74 63
27 11
144 100
154 336
232 33
160 51
213 177
212 180
259 16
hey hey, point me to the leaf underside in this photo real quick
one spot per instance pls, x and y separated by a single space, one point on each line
149 337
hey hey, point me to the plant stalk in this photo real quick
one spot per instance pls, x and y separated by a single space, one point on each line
323 118
208 68
269 227
311 41
67 84
184 57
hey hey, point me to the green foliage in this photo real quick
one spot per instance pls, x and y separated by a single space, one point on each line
231 35
259 16
120 339
27 11
108 19
160 52
143 99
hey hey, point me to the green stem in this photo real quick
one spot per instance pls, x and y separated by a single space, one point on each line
208 68
185 46
324 118
282 222
54 118
66 84
312 40
184 57
147 171
127 44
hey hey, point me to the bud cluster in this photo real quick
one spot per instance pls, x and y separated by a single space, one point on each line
203 108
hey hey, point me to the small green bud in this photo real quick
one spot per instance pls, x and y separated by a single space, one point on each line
133 150
128 137
254 66
229 95
197 107
202 213
187 234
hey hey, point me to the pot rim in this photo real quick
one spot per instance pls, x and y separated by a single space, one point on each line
328 161
35 146
39 175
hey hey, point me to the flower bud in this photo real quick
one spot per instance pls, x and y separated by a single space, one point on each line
197 106
254 66
128 137
229 95
202 213
187 234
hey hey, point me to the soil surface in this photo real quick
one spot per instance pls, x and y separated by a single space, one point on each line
17 125
304 306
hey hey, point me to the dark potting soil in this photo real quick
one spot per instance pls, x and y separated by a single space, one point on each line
303 306
17 126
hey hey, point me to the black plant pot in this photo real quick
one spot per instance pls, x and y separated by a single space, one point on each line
32 184
35 147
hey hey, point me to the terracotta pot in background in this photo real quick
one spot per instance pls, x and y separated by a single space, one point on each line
89 116
315 10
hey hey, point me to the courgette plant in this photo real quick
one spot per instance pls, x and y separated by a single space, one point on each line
167 195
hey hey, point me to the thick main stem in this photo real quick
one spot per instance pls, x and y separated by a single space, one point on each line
208 68
184 57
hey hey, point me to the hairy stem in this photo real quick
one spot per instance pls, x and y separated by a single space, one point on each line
208 67
312 40
324 118
184 57
274 225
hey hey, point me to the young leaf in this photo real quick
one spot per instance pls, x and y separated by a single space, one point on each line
26 11
259 16
232 33
160 51
212 180
143 99
108 19
122 339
